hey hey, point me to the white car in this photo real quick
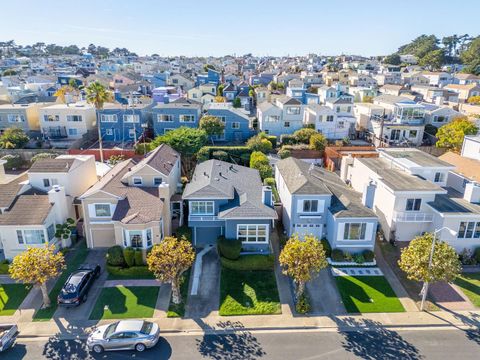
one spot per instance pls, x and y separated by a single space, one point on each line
124 335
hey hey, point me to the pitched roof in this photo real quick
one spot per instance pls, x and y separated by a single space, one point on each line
9 191
52 165
467 167
287 100
31 208
162 159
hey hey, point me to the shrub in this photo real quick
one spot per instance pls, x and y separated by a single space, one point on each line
358 258
239 153
284 153
476 254
258 158
13 161
271 138
4 265
257 143
318 142
287 139
266 171
368 255
303 304
115 256
184 231
220 155
129 255
249 263
303 135
326 247
139 258
337 255
348 257
467 257
229 248
134 272
41 156
270 181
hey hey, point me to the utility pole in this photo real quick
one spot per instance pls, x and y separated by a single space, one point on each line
100 147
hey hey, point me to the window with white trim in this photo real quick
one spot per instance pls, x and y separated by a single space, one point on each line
235 125
111 118
187 118
74 118
31 237
131 133
164 118
72 132
310 206
157 180
354 231
293 110
137 181
469 230
201 207
51 232
413 204
252 233
50 118
102 210
15 118
439 177
138 239
131 118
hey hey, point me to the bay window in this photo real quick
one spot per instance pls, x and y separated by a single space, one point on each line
138 239
201 207
252 233
354 231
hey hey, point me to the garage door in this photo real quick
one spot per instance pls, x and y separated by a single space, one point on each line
206 235
308 229
103 237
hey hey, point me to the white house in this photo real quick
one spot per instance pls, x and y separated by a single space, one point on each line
283 116
328 122
471 147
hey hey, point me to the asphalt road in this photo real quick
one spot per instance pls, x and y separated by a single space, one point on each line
382 344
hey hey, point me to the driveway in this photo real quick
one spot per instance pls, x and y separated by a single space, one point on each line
208 295
324 295
82 312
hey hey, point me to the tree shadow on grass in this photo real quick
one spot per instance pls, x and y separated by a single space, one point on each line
229 340
370 340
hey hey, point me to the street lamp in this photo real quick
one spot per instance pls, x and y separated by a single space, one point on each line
426 283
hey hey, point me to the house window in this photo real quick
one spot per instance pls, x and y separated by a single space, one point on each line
439 119
341 124
235 125
273 118
187 118
469 230
222 118
252 233
72 132
413 204
329 118
136 240
31 237
108 118
148 235
310 206
75 118
46 183
201 207
286 124
293 110
354 231
102 210
48 118
15 118
157 181
412 134
165 118
51 231
131 133
131 118
137 181
439 177
109 131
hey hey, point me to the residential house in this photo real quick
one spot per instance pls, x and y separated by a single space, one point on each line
262 94
316 202
438 115
182 81
23 116
435 94
392 89
182 112
237 124
471 147
438 78
166 94
466 79
230 200
212 76
328 122
284 116
134 204
465 91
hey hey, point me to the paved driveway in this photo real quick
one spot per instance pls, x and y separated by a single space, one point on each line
324 295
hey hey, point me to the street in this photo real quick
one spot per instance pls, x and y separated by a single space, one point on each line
378 344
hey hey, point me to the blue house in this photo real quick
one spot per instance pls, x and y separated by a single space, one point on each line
65 80
237 124
121 123
229 200
181 112
212 76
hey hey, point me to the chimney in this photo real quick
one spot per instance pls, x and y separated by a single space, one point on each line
164 195
368 195
267 198
346 162
472 192
58 198
2 171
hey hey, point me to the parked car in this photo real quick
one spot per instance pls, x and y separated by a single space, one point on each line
124 335
8 334
75 289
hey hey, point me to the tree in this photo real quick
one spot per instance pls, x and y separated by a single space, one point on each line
212 125
367 99
474 100
318 142
451 135
302 260
237 103
416 258
36 266
169 260
471 56
98 95
259 143
393 59
208 66
219 99
9 72
13 138
115 159
220 90
433 59
420 46
303 135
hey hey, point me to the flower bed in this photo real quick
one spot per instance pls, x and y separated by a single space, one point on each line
351 263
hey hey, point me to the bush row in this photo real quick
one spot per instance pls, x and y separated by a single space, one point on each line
128 257
249 262
140 272
360 258
239 153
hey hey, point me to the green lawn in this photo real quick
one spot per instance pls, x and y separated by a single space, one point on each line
470 285
179 310
248 293
77 257
366 294
134 272
125 302
11 297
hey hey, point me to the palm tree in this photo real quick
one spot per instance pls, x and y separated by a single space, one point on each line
98 95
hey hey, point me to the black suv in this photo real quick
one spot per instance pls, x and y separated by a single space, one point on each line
75 289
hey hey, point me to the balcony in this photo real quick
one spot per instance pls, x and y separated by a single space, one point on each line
55 132
413 216
203 218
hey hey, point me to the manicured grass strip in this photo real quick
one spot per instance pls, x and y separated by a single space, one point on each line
469 283
366 294
249 262
11 297
134 272
175 310
248 293
125 302
78 257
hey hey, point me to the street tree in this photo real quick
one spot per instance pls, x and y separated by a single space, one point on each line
168 260
13 138
36 266
302 260
451 135
212 125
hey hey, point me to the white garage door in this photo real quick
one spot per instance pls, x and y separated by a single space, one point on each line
308 229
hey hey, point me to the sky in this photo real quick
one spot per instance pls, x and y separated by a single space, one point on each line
216 28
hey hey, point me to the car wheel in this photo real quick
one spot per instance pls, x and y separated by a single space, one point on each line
98 349
140 347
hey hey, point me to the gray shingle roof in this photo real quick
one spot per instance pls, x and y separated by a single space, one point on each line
28 209
9 191
51 165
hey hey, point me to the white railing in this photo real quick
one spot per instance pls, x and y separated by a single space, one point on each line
413 217
202 218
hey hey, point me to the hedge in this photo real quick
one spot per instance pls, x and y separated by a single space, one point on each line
326 247
337 255
287 139
270 181
229 248
249 262
134 272
129 255
4 267
115 256
241 153
139 258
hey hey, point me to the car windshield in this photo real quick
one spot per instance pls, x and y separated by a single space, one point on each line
110 330
146 327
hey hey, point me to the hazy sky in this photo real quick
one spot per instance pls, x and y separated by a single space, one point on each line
274 27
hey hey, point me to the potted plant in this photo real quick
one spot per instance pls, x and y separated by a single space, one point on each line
64 232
